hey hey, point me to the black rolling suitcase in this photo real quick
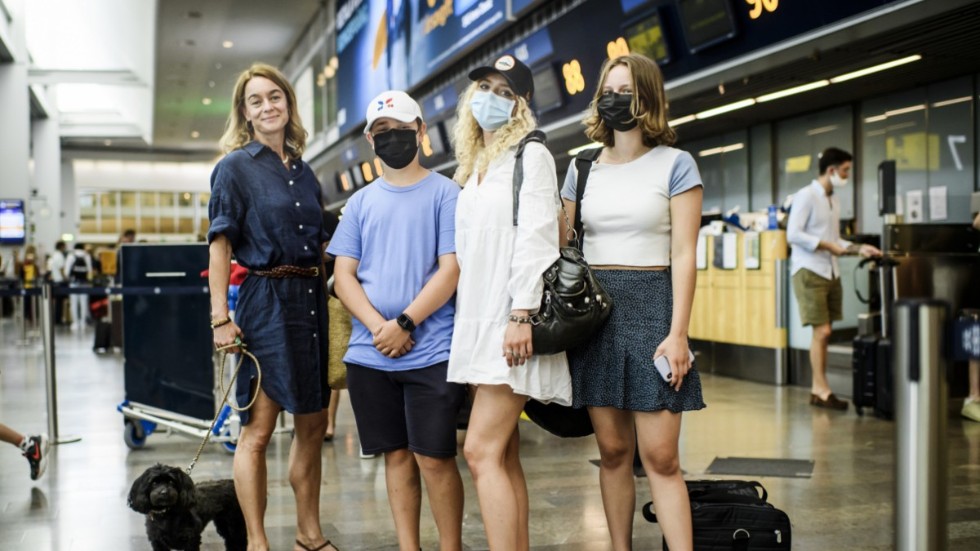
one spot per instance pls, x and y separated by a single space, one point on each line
872 357
103 336
733 515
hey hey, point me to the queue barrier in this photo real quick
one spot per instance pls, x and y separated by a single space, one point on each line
46 292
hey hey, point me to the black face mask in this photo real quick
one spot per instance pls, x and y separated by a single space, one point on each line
396 148
614 109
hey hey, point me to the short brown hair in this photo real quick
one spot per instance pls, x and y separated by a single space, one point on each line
238 132
649 103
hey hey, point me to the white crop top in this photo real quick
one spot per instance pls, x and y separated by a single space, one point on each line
626 207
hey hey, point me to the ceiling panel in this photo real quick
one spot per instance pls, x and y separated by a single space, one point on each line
192 64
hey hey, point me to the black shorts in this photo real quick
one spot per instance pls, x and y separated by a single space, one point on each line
414 409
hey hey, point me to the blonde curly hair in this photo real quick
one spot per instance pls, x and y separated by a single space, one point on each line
472 154
237 130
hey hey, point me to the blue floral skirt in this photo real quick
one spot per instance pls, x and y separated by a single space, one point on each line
615 368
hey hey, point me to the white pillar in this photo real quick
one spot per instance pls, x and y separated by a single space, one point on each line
47 181
69 199
15 113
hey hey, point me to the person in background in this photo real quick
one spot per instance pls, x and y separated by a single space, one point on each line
501 286
265 210
971 406
641 211
78 268
128 236
813 232
56 272
34 448
396 273
330 222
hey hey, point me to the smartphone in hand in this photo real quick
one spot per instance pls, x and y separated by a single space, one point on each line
663 366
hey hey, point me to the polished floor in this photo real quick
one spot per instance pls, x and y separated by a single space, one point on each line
80 504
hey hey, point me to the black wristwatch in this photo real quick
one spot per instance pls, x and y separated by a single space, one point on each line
406 322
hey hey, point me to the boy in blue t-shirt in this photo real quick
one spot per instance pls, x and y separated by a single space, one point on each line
396 271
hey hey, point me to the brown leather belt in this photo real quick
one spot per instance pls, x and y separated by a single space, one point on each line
280 272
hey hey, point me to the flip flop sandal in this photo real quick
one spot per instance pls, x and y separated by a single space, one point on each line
318 548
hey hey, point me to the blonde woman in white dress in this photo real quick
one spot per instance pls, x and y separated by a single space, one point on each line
500 286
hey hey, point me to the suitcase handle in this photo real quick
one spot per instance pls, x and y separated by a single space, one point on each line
752 483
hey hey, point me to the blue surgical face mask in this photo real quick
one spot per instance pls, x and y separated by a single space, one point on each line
490 110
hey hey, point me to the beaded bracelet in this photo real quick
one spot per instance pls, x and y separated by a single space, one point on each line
218 323
519 319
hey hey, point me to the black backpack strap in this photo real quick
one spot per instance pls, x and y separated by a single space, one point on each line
583 165
533 136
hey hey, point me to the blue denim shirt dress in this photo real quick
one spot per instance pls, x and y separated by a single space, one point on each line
271 215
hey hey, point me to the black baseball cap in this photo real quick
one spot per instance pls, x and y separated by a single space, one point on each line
516 73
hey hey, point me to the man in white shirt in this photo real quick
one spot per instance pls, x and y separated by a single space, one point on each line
56 270
813 232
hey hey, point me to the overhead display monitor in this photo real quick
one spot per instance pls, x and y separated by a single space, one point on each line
13 227
647 38
706 22
397 44
547 89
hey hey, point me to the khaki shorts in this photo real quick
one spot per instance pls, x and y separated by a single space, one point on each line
819 299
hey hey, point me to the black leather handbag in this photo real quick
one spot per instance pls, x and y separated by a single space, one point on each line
573 306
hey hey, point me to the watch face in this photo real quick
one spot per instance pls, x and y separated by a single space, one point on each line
405 323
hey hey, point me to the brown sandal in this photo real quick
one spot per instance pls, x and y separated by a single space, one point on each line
318 548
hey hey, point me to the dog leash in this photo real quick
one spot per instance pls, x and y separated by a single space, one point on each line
222 356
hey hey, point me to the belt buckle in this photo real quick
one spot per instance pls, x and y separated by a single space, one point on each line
316 271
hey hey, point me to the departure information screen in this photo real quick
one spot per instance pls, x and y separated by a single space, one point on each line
647 38
706 22
12 222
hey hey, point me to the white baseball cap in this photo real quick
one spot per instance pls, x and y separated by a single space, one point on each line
393 104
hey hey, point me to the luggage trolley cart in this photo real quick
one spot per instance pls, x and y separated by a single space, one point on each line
170 367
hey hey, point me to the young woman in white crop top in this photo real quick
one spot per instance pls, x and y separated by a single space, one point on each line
641 211
500 285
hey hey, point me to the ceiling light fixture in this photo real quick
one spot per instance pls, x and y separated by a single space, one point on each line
195 134
876 118
206 101
953 101
821 130
875 68
794 90
581 148
726 108
904 110
722 149
227 44
682 120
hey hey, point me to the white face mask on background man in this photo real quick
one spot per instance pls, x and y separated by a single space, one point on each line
836 180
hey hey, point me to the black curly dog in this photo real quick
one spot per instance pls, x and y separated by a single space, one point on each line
177 510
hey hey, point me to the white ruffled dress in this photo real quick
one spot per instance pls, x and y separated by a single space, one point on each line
500 270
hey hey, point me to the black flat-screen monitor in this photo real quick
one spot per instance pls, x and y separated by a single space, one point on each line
706 22
13 223
647 37
547 89
886 188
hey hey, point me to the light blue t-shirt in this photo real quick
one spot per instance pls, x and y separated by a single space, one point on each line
398 235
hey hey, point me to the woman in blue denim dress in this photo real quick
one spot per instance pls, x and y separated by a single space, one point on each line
265 209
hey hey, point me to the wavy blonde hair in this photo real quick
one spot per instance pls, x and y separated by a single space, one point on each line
649 104
239 132
472 154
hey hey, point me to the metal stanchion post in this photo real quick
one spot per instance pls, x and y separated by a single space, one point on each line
920 424
47 335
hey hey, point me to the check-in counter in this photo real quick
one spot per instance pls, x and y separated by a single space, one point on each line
739 316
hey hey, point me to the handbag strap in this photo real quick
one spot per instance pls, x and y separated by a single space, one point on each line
583 166
533 136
